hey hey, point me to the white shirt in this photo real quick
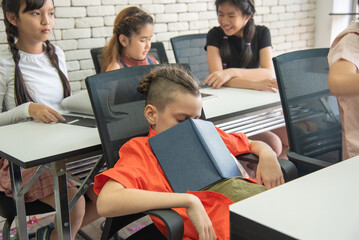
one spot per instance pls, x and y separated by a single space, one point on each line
41 78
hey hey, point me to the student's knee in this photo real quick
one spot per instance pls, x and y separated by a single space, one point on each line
271 139
282 134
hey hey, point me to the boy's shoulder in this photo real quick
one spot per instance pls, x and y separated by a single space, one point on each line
136 144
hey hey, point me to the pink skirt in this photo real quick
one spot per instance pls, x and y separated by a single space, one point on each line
42 187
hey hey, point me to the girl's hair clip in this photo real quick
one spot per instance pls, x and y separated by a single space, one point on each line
225 37
248 43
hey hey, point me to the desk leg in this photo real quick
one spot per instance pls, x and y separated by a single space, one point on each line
61 200
16 183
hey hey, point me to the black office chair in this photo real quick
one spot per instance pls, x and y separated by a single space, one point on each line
96 54
190 49
157 51
120 119
310 111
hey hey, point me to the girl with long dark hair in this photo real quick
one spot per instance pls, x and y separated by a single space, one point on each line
33 82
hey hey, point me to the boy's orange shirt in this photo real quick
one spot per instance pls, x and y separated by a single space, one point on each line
138 168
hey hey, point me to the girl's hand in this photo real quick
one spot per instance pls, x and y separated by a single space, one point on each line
218 78
197 214
269 172
44 113
267 85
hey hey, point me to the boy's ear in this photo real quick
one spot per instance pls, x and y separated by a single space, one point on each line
123 40
11 17
151 114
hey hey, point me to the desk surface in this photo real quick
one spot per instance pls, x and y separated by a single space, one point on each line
229 102
17 142
321 205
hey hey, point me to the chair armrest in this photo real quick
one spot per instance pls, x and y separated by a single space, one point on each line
288 168
172 220
307 160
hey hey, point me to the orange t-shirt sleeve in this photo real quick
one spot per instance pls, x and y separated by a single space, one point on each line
237 143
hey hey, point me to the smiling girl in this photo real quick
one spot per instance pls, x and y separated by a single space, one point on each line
131 41
33 82
239 52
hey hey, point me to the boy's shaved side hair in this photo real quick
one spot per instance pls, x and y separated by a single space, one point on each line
162 84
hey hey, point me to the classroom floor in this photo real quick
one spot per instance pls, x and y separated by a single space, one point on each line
93 230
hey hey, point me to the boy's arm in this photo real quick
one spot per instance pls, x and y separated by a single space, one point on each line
269 172
116 200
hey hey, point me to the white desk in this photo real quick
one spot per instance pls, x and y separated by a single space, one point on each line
29 144
243 110
321 205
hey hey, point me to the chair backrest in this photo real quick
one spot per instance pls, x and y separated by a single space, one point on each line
157 51
118 107
311 113
190 49
96 54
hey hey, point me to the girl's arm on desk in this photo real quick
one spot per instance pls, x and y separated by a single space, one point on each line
255 78
116 200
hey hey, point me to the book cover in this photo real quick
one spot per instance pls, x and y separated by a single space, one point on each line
193 155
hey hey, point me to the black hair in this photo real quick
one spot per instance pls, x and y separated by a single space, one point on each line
162 83
247 8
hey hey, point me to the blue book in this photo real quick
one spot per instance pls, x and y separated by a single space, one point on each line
193 155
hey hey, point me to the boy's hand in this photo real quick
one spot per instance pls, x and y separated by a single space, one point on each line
269 172
197 214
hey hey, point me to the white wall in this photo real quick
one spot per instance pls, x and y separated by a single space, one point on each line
331 26
85 24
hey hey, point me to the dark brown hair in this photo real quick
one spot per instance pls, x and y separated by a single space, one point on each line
247 8
128 22
22 94
162 83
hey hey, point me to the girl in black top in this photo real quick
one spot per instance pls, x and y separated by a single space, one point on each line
240 55
239 52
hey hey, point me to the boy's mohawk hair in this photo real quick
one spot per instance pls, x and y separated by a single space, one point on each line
162 84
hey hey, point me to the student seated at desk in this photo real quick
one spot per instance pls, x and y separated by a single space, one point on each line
33 82
130 42
344 83
240 55
137 182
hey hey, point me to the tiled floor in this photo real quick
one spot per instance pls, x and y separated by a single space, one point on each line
93 229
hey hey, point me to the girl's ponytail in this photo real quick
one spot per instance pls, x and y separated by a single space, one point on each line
21 92
248 33
225 52
51 54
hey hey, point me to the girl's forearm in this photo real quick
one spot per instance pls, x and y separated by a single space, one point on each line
251 74
238 82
